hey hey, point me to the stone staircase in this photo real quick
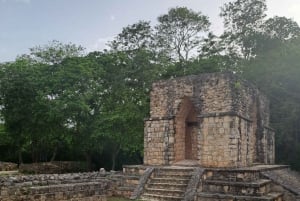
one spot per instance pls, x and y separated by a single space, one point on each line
168 183
129 180
237 185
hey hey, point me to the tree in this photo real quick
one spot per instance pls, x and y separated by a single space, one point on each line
243 20
133 37
276 73
18 93
281 28
180 32
28 93
54 52
76 98
126 80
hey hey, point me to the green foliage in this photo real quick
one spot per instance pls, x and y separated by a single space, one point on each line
133 37
53 53
58 103
242 22
180 31
281 28
32 115
277 74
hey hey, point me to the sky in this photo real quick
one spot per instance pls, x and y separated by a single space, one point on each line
92 23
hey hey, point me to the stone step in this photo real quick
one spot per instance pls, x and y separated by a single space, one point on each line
167 186
169 180
274 196
232 175
256 188
124 191
174 171
155 197
167 192
132 180
64 187
171 176
134 169
168 183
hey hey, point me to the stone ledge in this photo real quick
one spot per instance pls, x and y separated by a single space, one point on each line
256 168
222 114
258 183
269 197
159 118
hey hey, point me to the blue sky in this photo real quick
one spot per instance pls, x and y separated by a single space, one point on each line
91 23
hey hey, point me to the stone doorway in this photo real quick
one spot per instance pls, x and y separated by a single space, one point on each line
186 132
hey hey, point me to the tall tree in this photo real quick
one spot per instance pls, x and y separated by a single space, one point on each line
28 92
127 81
281 28
133 37
180 32
276 73
243 20
77 97
54 52
19 89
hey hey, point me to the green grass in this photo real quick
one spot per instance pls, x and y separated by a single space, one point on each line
5 173
117 199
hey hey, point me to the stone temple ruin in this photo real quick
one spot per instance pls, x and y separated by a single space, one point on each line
215 120
207 139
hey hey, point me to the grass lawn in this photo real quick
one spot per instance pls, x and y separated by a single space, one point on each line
5 173
117 199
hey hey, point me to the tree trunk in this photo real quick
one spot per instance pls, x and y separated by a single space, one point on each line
20 156
54 154
114 157
88 159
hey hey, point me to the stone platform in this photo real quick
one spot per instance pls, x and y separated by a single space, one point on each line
191 182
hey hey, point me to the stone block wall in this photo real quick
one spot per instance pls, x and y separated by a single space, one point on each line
56 187
79 192
54 167
159 141
225 142
7 166
215 119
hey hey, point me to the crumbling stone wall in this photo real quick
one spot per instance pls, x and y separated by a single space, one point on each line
55 187
216 119
7 166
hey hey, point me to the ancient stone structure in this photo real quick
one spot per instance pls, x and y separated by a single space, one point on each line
217 120
87 186
207 139
54 187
